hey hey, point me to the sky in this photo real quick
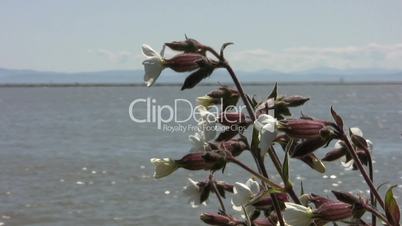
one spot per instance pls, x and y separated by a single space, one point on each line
95 35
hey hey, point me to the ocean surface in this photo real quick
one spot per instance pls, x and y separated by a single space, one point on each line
72 156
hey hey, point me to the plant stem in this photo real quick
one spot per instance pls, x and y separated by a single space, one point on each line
259 161
259 176
359 165
241 91
371 175
278 166
275 200
376 213
213 182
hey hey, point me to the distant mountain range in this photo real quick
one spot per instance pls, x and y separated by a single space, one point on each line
12 76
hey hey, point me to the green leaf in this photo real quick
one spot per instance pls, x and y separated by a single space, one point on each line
285 169
391 207
274 92
255 141
337 118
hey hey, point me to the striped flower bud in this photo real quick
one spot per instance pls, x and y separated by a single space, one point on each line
189 45
235 145
219 219
263 222
333 211
201 161
303 128
184 62
266 202
308 146
223 95
294 101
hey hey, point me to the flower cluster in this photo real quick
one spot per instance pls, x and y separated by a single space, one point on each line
262 200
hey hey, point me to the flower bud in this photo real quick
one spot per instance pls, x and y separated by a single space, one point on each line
266 202
223 95
233 118
294 101
235 146
359 142
347 197
184 62
318 200
334 154
303 128
308 146
263 222
189 45
265 106
200 161
218 219
224 186
333 211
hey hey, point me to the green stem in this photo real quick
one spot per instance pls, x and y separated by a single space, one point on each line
359 165
257 157
241 91
278 166
376 213
259 176
275 200
371 175
213 183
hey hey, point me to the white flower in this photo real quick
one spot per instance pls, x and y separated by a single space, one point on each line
358 132
198 141
243 194
153 65
207 124
163 167
206 129
297 215
193 191
205 101
267 127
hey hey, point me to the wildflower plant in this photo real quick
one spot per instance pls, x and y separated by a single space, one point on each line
262 200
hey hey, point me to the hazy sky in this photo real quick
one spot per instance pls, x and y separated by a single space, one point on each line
87 35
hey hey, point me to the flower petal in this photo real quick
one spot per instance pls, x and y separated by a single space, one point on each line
370 145
267 126
192 191
356 131
348 165
263 120
153 67
197 140
266 140
163 167
253 185
297 215
241 194
149 52
339 144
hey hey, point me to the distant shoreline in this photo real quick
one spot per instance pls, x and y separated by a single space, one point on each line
203 84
